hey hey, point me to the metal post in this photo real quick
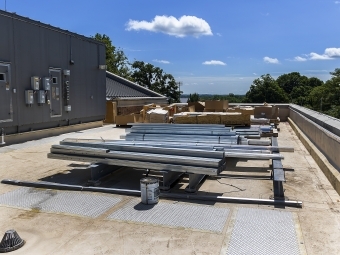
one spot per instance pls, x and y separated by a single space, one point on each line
2 142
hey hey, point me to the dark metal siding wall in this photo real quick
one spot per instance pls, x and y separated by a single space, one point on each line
32 48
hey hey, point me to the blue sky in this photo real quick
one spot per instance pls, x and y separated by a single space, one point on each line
215 46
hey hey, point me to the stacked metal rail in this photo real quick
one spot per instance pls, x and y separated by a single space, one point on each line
197 133
235 151
194 161
197 150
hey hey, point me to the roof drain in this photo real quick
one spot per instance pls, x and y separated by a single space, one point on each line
11 241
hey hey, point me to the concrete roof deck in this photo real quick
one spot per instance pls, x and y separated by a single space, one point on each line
316 224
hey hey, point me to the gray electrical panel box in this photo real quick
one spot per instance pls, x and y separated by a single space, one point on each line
41 97
29 98
35 83
67 72
46 83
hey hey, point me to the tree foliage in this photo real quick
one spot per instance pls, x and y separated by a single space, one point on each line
266 89
289 81
156 79
193 98
326 98
144 74
293 87
116 61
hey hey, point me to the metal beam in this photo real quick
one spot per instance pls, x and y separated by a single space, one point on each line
141 164
176 196
194 181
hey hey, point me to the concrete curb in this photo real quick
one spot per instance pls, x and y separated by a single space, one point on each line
39 134
329 171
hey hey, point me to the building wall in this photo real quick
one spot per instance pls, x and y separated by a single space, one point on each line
327 142
30 49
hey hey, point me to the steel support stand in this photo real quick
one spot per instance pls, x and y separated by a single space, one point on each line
194 181
169 178
99 171
278 174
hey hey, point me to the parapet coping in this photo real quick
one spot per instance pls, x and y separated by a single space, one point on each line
329 171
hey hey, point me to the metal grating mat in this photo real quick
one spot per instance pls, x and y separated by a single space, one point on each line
264 232
77 203
174 215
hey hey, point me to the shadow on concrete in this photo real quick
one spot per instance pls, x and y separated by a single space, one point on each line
143 207
71 177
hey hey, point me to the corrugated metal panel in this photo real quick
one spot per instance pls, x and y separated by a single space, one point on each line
32 48
118 87
115 89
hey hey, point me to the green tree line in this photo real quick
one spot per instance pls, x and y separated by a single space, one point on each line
298 89
144 74
232 98
288 88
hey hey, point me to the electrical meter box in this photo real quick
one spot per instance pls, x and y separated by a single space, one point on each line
29 99
35 82
67 72
46 83
41 97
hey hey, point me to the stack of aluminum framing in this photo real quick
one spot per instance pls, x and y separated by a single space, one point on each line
179 132
165 159
185 148
239 151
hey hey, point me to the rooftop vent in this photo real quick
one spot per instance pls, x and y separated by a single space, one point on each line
11 241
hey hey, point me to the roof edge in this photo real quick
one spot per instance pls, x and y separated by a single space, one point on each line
14 15
133 85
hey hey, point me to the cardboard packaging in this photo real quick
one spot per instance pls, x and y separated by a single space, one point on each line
123 120
157 115
263 112
111 112
199 107
216 104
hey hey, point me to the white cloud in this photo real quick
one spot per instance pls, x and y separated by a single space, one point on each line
316 56
330 53
161 61
214 62
333 52
300 59
271 60
184 26
337 2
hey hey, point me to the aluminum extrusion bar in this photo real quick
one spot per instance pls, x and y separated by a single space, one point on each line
178 149
176 125
183 128
259 156
259 142
182 132
191 152
71 141
140 164
182 136
145 157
